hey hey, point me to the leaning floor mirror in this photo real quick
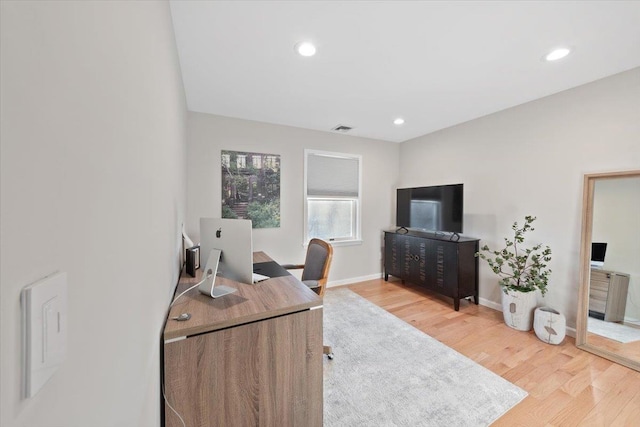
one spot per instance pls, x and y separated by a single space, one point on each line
608 322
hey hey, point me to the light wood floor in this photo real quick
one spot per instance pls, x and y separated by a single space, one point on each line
566 386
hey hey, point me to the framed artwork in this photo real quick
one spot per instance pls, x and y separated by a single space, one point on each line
251 187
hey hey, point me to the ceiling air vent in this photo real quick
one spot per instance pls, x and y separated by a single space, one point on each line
342 128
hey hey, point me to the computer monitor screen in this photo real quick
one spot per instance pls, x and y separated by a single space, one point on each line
233 238
598 251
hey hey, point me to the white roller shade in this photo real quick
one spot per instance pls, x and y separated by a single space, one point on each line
331 176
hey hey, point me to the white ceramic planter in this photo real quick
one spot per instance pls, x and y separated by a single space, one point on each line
517 309
550 326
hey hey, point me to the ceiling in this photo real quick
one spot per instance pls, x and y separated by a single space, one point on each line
435 64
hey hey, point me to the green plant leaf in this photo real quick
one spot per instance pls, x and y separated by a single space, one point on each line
525 271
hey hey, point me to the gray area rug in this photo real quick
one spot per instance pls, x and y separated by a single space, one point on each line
388 373
615 331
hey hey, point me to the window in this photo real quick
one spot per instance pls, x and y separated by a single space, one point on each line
257 161
241 161
271 162
332 196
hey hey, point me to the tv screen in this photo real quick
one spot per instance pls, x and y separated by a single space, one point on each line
598 251
436 208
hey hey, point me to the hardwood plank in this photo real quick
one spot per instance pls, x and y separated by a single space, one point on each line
549 407
610 406
567 386
583 402
630 413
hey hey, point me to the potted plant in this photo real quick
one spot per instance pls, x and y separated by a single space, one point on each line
522 272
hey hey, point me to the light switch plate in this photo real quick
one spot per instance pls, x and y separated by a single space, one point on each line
44 326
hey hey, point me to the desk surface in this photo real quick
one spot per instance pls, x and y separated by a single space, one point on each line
270 298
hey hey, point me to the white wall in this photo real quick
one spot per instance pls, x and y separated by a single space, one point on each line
209 134
530 160
93 183
616 221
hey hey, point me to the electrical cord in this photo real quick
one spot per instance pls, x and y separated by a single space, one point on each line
171 407
184 292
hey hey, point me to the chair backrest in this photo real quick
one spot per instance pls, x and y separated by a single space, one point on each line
317 263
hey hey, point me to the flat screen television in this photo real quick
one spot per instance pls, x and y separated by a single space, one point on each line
436 208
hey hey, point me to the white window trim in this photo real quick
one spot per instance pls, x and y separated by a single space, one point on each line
357 240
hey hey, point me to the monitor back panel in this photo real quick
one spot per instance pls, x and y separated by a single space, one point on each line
233 238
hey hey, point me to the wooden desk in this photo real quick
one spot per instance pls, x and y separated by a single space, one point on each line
251 358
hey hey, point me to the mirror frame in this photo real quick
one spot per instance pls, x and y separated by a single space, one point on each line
585 268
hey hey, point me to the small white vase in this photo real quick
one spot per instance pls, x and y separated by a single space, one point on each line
517 309
550 326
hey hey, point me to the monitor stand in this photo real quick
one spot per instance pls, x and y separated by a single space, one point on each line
221 290
208 284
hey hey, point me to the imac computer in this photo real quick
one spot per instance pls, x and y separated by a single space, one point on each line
598 251
232 237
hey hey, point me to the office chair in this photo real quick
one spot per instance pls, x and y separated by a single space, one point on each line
316 272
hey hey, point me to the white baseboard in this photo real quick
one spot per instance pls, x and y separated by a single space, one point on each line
631 320
491 304
352 280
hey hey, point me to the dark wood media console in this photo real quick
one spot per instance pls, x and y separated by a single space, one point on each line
439 263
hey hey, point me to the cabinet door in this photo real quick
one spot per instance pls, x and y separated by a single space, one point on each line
442 267
617 297
393 254
415 259
467 269
266 373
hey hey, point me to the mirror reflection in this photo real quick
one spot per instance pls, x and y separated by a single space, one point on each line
613 322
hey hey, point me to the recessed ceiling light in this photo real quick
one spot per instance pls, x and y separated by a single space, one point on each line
399 121
556 54
306 49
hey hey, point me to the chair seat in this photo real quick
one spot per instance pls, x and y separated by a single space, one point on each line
313 284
